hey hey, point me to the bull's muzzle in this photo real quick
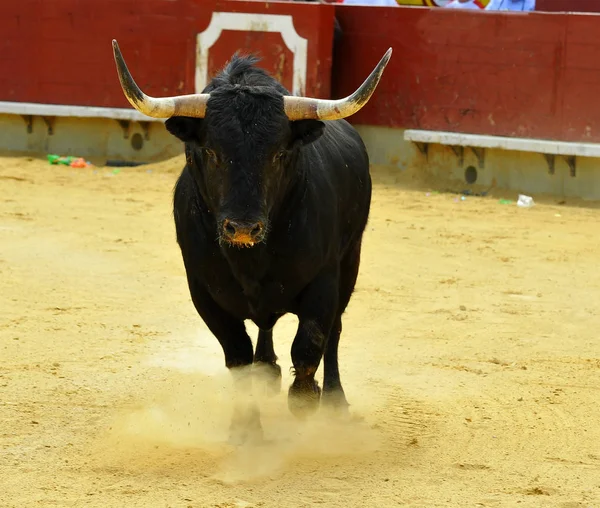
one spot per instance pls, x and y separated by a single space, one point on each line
242 234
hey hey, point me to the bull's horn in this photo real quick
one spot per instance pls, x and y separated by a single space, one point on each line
303 108
193 105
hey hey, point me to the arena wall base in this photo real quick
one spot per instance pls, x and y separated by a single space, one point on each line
97 139
522 172
101 139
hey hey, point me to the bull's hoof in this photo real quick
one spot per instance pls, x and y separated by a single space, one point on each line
245 427
304 397
335 406
268 375
239 436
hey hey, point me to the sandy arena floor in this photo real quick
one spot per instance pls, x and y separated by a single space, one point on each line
470 353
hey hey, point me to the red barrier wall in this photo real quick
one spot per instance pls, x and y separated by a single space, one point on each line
526 75
567 5
59 51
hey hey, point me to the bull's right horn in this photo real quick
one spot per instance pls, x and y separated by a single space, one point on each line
304 108
193 105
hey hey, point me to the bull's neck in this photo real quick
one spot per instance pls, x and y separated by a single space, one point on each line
290 198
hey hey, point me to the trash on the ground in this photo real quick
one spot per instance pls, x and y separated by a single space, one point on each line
116 171
69 160
557 215
462 198
505 201
525 201
57 159
79 163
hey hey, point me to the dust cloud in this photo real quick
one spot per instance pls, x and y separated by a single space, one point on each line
185 415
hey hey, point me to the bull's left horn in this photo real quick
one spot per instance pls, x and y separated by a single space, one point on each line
303 108
193 105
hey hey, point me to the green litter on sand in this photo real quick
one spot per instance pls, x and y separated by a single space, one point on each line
116 171
57 159
505 201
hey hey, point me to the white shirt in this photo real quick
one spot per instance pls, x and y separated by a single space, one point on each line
511 5
455 4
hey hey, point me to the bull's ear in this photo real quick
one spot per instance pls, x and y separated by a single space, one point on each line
304 132
185 128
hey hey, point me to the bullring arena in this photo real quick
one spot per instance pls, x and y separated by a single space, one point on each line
469 355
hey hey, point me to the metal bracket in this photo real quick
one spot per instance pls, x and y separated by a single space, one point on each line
459 151
49 121
125 124
480 154
550 160
572 163
423 147
29 122
146 128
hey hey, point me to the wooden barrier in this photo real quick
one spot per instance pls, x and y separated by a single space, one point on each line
59 52
567 5
530 75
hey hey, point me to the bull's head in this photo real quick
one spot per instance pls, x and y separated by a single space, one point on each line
242 139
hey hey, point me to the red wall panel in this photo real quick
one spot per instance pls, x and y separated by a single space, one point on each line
59 52
506 74
527 75
567 5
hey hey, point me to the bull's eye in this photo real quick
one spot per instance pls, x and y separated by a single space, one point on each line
211 155
279 156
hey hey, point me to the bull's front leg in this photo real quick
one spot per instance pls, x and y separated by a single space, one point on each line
316 314
237 346
265 362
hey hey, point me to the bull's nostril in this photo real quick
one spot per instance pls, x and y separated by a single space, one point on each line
256 230
234 229
229 228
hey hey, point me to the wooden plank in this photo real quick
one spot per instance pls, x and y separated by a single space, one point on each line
27 108
60 52
504 143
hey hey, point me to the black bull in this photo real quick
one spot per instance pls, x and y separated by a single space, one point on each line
269 211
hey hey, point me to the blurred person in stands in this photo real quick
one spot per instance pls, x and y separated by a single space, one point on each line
511 5
465 4
493 5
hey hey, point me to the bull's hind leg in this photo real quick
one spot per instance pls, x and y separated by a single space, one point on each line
333 393
265 362
316 313
237 346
